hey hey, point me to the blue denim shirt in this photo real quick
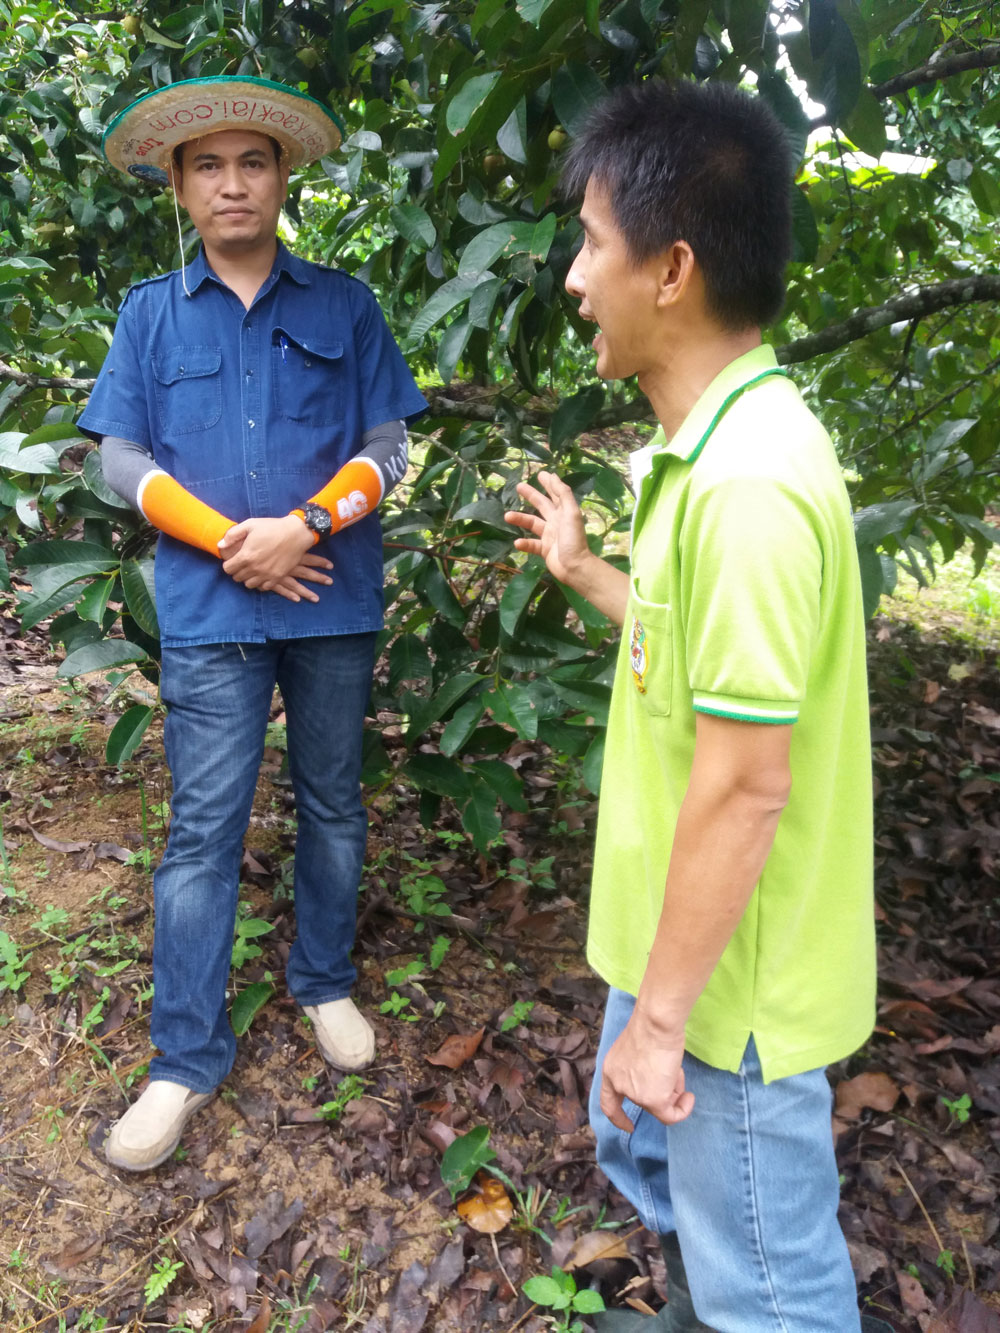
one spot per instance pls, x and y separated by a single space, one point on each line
253 411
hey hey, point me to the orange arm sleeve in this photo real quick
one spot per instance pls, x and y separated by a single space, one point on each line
175 511
354 492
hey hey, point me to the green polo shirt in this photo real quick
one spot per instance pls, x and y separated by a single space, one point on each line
745 603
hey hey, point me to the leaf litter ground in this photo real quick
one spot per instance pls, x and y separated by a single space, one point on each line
299 1201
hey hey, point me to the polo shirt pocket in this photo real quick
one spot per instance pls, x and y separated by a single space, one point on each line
307 377
651 654
188 382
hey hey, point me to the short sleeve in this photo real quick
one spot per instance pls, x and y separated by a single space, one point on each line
388 389
751 571
118 404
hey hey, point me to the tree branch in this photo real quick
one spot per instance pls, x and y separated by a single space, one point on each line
936 70
31 381
912 305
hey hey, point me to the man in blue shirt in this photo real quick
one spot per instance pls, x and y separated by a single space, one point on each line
253 407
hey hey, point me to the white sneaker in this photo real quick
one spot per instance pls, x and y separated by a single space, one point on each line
344 1036
151 1128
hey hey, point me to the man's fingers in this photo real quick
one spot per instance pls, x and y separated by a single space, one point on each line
528 545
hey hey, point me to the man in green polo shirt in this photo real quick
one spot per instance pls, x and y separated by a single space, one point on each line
732 898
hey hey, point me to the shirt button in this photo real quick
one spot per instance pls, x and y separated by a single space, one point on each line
250 422
249 372
181 369
308 363
254 475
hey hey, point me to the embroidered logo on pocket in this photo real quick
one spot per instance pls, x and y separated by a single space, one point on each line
639 654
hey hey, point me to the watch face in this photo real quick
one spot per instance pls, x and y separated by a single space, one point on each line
318 519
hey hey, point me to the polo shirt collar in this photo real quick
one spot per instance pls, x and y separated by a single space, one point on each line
198 270
730 382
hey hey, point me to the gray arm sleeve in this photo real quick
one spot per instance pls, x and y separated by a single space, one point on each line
385 447
124 465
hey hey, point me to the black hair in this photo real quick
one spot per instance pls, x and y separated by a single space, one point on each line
699 162
178 153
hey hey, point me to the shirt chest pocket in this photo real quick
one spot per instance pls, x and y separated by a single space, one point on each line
651 656
188 382
308 378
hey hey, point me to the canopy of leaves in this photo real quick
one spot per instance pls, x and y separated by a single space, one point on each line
444 198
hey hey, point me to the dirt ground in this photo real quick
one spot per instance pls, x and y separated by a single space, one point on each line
302 1201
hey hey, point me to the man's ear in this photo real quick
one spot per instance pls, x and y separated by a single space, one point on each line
676 273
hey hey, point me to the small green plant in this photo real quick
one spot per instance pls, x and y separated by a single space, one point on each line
53 1114
946 1262
559 1294
348 1090
959 1108
15 1260
520 1012
164 1272
564 1211
422 892
309 1082
248 929
537 873
13 968
396 1005
399 976
94 1016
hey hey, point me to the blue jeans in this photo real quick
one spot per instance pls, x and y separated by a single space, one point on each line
750 1187
218 698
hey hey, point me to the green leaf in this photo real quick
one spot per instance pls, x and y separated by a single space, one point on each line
504 780
413 224
248 1004
805 233
593 763
100 656
467 101
465 1156
575 91
865 126
137 581
877 521
479 817
515 599
433 772
588 1302
127 732
985 192
409 659
872 582
449 295
94 477
543 1291
94 602
533 10
462 725
512 137
36 460
433 709
90 555
453 343
514 706
575 414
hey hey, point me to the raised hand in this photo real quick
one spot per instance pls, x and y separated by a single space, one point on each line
558 533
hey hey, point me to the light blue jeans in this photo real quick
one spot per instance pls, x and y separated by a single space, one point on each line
750 1187
218 698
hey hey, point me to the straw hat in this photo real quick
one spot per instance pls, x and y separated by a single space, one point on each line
141 139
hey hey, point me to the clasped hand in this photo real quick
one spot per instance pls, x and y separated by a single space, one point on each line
274 555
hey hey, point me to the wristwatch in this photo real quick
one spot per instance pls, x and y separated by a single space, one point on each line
316 518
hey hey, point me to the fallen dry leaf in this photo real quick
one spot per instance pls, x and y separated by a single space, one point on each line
594 1245
874 1090
263 1317
488 1211
456 1049
911 1293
